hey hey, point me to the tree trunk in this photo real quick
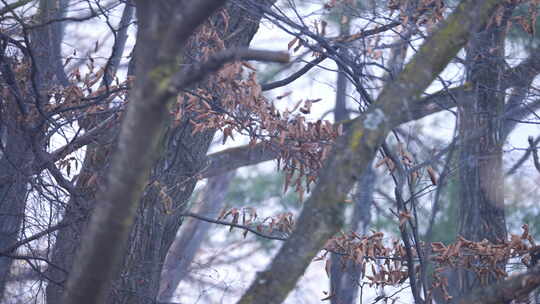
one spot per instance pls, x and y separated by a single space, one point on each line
18 140
345 275
155 230
481 185
185 155
91 177
15 154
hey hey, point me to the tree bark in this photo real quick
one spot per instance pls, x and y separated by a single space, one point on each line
184 156
516 287
164 26
15 153
481 184
18 140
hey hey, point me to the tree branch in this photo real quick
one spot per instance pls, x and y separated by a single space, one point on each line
322 57
233 158
13 6
294 76
503 292
196 73
225 223
523 158
519 75
322 215
247 155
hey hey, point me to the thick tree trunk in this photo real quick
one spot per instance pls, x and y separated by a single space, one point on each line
164 29
185 156
91 177
481 185
18 140
12 194
155 230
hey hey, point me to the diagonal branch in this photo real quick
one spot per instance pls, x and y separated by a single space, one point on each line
283 82
524 158
322 57
323 213
247 155
521 74
233 158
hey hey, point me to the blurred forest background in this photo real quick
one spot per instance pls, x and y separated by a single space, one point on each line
449 203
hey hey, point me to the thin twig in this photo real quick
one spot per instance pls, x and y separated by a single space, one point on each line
225 223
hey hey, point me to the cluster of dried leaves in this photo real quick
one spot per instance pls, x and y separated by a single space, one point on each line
83 101
423 13
366 250
383 265
235 104
79 102
281 224
482 258
527 22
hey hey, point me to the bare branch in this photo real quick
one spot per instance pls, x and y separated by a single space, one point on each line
193 74
521 74
13 6
225 223
294 76
523 158
233 158
322 57
34 237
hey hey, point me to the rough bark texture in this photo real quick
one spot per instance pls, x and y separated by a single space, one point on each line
322 215
15 153
165 26
481 176
20 140
184 156
91 177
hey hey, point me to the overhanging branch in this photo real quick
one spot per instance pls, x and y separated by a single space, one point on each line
196 73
